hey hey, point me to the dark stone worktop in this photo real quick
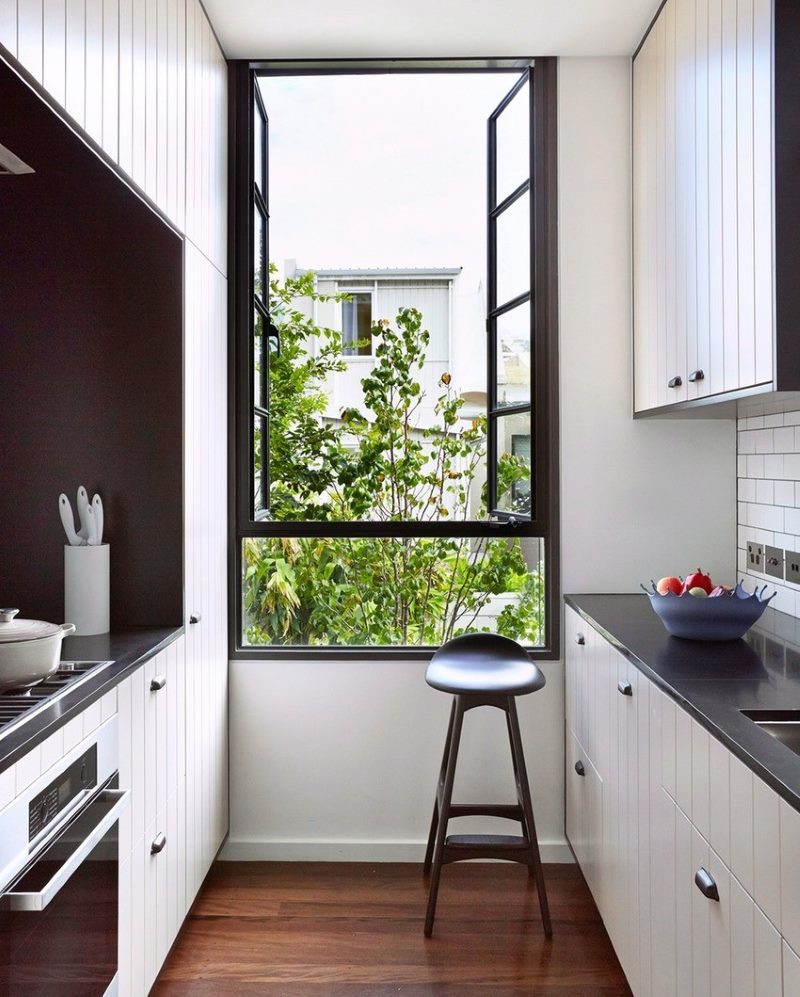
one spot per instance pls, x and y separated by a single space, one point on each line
126 649
714 681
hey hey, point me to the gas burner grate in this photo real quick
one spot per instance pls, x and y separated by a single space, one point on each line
17 705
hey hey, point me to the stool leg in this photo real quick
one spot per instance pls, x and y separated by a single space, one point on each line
444 813
527 809
426 868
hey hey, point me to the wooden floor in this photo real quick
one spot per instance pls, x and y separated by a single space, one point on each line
355 930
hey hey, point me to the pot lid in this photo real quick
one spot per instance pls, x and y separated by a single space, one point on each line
17 630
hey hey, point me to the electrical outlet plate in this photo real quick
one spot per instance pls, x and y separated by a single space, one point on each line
793 567
755 556
773 561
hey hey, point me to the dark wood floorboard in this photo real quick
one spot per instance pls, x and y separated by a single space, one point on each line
290 929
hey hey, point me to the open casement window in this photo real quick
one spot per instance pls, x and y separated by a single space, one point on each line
510 503
511 276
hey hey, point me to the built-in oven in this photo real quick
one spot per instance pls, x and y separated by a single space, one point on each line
59 905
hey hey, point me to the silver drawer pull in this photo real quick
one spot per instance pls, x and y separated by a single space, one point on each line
625 688
159 843
158 683
579 768
580 639
704 882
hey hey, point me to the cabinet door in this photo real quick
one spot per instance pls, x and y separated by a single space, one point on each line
672 884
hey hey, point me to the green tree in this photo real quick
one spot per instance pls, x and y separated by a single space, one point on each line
375 464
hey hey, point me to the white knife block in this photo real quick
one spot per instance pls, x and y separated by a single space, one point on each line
87 588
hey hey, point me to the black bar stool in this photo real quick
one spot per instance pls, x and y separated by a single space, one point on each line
483 670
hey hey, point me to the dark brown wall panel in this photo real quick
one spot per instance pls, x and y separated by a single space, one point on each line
90 371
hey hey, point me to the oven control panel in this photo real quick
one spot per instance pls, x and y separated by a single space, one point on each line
55 798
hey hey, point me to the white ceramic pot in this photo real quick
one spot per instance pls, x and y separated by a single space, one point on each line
30 650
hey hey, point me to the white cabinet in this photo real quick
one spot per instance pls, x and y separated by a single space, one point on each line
152 725
675 803
703 202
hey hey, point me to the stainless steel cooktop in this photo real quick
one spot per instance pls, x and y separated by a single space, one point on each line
19 705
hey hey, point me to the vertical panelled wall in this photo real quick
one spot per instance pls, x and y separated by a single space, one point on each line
147 80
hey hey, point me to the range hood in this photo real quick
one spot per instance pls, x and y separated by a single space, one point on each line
11 164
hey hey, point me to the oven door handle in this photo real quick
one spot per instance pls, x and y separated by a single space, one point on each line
39 901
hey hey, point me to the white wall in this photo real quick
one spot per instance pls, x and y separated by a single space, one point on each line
339 759
644 498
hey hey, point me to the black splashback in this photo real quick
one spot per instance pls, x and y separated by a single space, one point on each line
91 338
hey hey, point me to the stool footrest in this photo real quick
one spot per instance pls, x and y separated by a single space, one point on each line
511 847
511 811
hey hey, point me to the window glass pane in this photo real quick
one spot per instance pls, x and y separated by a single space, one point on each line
514 250
357 325
514 463
259 260
258 359
513 151
259 461
390 591
258 149
514 356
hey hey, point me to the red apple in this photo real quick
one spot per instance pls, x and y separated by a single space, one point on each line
669 584
697 580
719 590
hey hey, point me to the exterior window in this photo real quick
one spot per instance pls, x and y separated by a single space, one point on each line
357 325
391 505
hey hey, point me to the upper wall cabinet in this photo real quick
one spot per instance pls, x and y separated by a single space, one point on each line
716 135
147 81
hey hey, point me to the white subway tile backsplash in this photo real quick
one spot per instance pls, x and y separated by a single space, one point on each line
765 491
791 467
747 491
784 493
774 466
793 520
765 440
747 442
768 494
784 440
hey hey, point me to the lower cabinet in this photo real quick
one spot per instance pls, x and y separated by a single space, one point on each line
693 861
163 855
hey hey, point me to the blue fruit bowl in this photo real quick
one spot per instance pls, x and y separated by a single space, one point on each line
723 617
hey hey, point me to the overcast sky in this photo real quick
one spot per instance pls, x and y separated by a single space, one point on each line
380 170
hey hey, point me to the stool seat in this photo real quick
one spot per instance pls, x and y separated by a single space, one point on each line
486 664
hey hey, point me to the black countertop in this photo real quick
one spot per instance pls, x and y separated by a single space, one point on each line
126 649
714 681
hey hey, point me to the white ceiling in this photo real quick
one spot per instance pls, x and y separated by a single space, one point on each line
269 29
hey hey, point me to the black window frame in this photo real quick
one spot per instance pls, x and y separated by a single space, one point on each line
545 521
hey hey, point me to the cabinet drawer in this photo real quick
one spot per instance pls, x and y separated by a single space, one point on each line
584 813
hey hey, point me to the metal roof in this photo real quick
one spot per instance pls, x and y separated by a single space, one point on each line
388 272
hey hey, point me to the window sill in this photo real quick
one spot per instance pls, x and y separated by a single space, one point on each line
538 654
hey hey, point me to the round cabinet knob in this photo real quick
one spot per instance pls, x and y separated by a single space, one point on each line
195 618
580 639
579 768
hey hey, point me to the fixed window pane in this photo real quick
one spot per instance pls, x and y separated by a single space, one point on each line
357 325
409 591
513 149
514 250
513 439
259 373
513 356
